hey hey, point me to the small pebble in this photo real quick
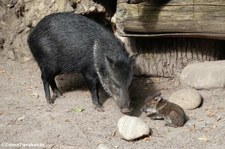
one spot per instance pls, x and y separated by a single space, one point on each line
103 146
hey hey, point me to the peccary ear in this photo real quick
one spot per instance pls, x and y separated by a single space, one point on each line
158 98
133 57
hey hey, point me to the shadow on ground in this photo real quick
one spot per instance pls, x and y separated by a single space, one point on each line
140 89
72 82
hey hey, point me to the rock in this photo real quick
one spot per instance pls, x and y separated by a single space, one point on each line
92 8
103 146
131 128
21 118
11 54
29 24
36 95
64 6
206 75
27 58
186 98
87 6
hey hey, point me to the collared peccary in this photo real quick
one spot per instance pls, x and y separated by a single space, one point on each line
71 43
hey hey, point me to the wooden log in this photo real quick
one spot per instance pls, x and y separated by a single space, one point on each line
167 57
198 18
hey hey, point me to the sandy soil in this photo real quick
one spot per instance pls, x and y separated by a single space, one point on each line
26 119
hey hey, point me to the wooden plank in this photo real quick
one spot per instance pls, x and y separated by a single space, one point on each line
205 18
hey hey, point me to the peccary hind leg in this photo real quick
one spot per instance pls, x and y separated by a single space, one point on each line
92 82
50 81
46 88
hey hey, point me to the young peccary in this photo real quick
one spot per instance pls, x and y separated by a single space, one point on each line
159 108
71 43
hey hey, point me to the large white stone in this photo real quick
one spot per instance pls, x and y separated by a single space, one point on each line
205 75
131 128
186 98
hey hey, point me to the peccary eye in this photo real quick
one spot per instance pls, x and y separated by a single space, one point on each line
129 88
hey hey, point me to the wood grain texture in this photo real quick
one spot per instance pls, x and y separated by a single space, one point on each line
167 57
198 18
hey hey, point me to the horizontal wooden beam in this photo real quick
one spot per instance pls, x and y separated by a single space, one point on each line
198 18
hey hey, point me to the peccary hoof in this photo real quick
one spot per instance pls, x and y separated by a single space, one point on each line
51 101
99 108
57 93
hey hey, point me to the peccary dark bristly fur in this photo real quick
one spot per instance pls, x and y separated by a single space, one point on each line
71 43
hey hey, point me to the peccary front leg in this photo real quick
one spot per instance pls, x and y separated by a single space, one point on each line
170 125
153 116
92 82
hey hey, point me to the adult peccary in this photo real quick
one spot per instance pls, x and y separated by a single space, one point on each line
71 43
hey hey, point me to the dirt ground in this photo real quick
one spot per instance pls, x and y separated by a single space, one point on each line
26 119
